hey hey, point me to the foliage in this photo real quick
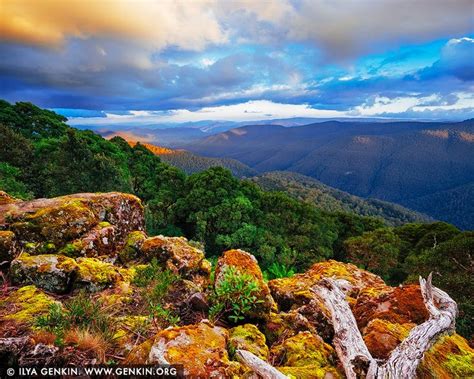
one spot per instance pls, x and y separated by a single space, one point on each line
376 251
234 295
278 270
79 312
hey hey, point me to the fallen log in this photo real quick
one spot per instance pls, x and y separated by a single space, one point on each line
403 361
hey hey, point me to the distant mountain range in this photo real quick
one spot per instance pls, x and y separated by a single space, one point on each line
427 166
330 199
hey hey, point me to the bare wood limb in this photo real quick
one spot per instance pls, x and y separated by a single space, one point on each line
348 342
259 366
403 361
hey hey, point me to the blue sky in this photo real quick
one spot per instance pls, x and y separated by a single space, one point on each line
143 61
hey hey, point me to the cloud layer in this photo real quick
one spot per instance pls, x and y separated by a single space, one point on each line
319 55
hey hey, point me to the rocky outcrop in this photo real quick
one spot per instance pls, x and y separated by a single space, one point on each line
81 224
149 300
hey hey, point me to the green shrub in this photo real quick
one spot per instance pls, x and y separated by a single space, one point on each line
234 296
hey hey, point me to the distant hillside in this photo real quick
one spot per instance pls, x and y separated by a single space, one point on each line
333 200
191 163
403 162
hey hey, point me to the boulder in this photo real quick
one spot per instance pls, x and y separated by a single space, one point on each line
248 337
53 273
9 247
245 263
176 254
201 349
295 291
71 219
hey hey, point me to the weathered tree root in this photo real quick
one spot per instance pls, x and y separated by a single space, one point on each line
403 361
259 366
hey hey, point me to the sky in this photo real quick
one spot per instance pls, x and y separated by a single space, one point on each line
144 62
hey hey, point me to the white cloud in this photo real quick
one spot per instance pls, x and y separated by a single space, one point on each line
407 104
248 111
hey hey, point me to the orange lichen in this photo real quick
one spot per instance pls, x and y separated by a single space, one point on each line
400 305
201 349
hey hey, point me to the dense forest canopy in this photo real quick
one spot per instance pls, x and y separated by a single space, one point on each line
41 156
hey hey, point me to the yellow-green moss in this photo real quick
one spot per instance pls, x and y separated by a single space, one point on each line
93 270
310 372
303 349
450 357
248 337
25 304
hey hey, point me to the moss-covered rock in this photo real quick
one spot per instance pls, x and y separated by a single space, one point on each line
398 305
175 253
100 240
95 275
382 336
450 357
201 349
9 247
248 337
75 220
25 304
54 273
245 263
308 352
295 291
131 249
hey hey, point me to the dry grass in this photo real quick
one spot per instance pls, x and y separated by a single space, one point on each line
91 343
44 337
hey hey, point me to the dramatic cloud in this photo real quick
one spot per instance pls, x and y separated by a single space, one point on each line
188 24
359 57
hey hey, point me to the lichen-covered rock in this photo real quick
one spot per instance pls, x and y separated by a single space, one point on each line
9 246
100 240
399 305
382 336
176 254
139 354
307 352
295 290
450 357
95 275
54 273
25 304
201 349
65 220
245 263
248 337
131 249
